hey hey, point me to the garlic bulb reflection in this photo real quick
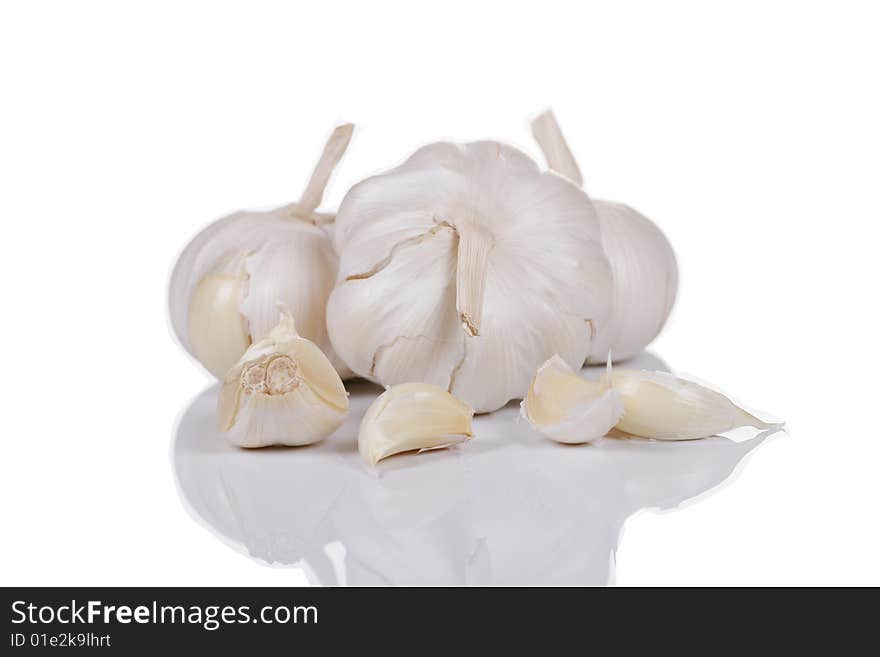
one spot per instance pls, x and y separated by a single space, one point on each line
466 267
412 416
662 406
283 391
644 270
569 409
228 280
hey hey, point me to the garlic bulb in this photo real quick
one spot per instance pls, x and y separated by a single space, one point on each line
412 416
563 406
466 267
228 280
283 391
644 270
662 406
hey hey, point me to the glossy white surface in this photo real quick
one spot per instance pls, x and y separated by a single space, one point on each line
508 507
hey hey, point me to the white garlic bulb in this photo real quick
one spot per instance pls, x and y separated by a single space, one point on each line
412 416
466 267
644 270
664 407
563 406
228 280
283 391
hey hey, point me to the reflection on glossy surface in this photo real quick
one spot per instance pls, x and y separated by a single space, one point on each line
507 507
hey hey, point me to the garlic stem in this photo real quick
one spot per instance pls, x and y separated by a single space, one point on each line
334 149
474 244
548 134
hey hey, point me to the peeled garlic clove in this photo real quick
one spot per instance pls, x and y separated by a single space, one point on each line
229 278
413 416
283 391
662 406
465 268
643 266
563 406
219 334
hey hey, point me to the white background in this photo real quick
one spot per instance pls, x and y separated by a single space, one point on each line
747 131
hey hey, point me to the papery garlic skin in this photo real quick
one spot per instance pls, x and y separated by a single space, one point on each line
665 407
643 264
569 409
412 416
228 280
645 275
466 267
283 391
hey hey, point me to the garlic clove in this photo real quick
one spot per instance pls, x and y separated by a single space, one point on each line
295 272
396 338
413 416
218 332
283 391
662 406
563 406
